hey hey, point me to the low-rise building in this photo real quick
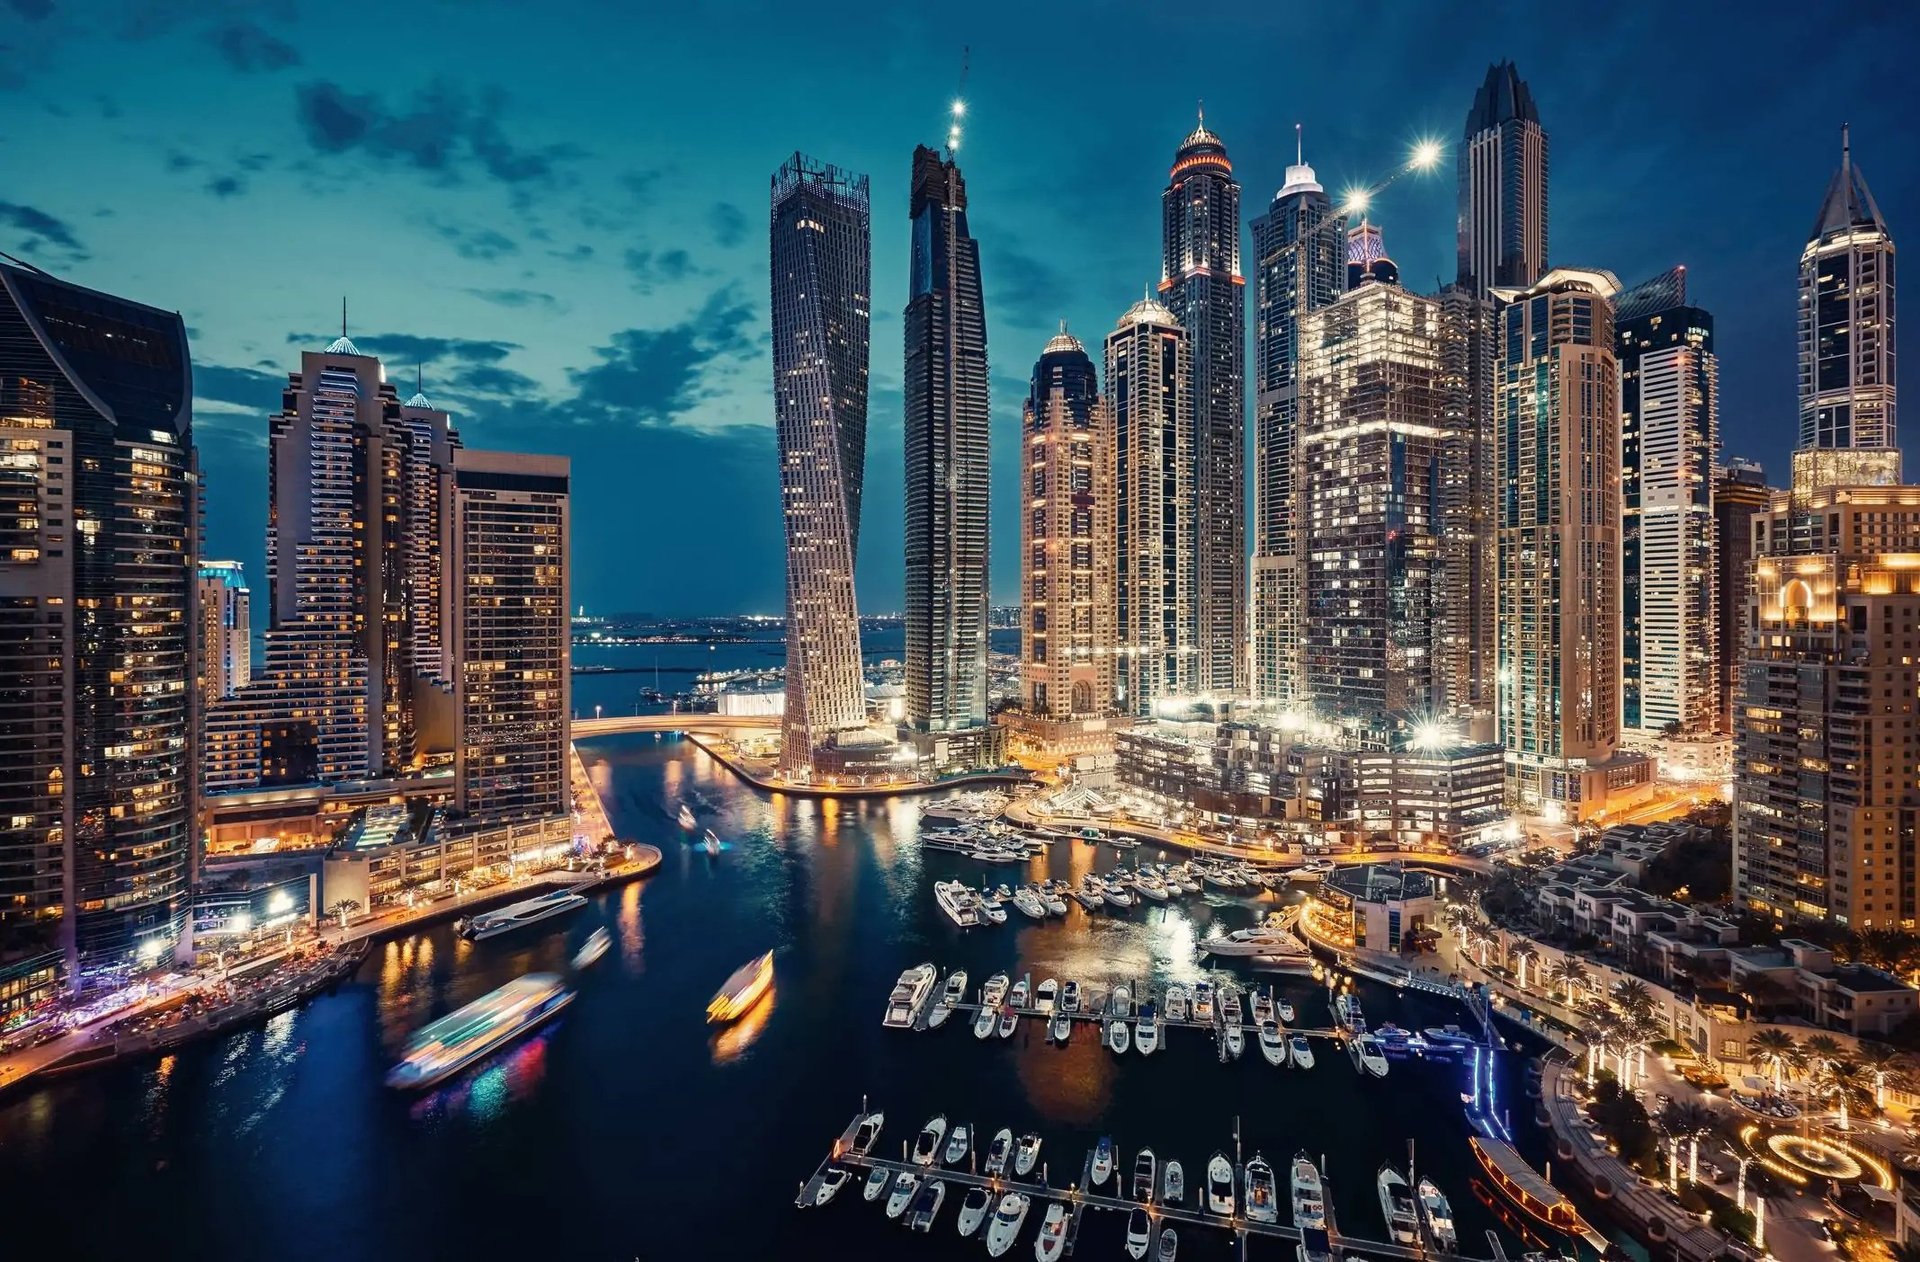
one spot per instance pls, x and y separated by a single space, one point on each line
1381 907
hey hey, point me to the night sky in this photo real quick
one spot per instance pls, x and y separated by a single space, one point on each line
559 210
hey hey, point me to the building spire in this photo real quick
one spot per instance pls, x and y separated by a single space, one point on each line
1299 147
340 345
343 315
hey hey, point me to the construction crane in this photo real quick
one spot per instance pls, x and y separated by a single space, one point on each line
959 109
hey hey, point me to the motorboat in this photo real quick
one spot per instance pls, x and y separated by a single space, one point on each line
1222 880
1145 1167
1122 878
1220 1184
1286 1013
1153 887
959 1143
1261 1205
1262 1007
1253 942
1009 1021
1120 1002
1309 1196
1146 1032
831 1183
1397 1207
992 910
1028 903
1203 1001
1119 1035
1019 995
1300 1051
1070 996
952 995
1005 1227
1367 1056
1169 1245
1231 1012
712 844
1176 1002
926 1145
475 1031
876 1185
973 1211
1053 1234
1273 1044
994 993
926 1204
1139 1232
1061 1028
1055 904
984 1022
1347 1009
528 911
866 1133
1173 1184
597 944
687 821
1234 1041
909 993
1438 1215
998 1153
959 902
1102 1160
1046 996
1116 897
905 1184
1026 1155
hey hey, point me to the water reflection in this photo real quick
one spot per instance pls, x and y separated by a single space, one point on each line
628 929
482 1094
731 1042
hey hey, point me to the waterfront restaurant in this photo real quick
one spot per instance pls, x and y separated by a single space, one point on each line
1381 907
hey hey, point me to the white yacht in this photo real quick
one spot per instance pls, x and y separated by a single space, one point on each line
1220 1184
926 1205
1173 1184
1438 1215
1116 896
1262 1207
992 910
952 994
1146 1032
1120 1002
1300 1051
1045 996
1153 887
529 911
1026 1155
926 1145
1176 1002
973 1211
866 1133
1027 902
831 1183
911 991
1273 1044
985 1021
1169 1245
1005 1228
876 1185
1235 1041
1203 1001
959 1142
1367 1056
1070 996
960 903
1145 1167
1262 1006
994 993
1286 1013
999 1152
905 1184
1009 1021
1248 942
1052 1240
1061 1028
1309 1197
1056 905
1119 1035
1102 1160
1018 999
597 944
1139 1232
1396 1206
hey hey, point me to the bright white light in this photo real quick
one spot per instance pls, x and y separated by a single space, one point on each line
279 902
1357 201
151 948
1427 154
959 108
1432 736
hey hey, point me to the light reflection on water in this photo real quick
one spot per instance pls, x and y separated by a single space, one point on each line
732 1041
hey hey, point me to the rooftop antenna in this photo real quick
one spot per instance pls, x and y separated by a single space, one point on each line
1299 147
343 315
959 109
1846 146
419 378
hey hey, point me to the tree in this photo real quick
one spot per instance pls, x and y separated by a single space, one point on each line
343 909
1688 1120
1460 918
1822 1050
1633 998
1570 973
1845 1083
1775 1051
1520 954
1886 1065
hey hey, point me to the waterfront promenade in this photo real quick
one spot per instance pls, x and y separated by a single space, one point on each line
760 775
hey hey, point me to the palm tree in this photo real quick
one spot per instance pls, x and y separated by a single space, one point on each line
1459 917
1569 972
1595 1036
1482 936
1688 1120
1633 998
1774 1050
1520 954
1843 1081
1886 1065
344 908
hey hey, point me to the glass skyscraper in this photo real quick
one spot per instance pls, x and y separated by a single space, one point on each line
1847 381
1503 187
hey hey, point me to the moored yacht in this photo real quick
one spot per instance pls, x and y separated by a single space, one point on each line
926 1205
959 1142
1367 1055
1145 1167
876 1185
1310 1212
1009 1020
985 1021
1220 1184
951 995
1273 1044
1146 1034
1070 996
1116 896
1120 1002
973 1210
1005 1227
905 1184
1053 1234
1176 1002
994 993
926 1145
1153 887
1396 1206
1028 903
959 902
1026 1155
1139 1232
1018 999
866 1133
1173 1184
1203 1000
1119 1035
1169 1245
1262 1006
1102 1160
1261 1205
528 911
903 1005
1438 1215
998 1153
1061 1028
1300 1051
1286 1013
1046 996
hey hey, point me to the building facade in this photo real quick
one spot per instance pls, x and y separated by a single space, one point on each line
99 705
1067 530
1201 285
1503 187
821 250
1465 662
1669 437
947 478
1299 264
1848 389
226 630
1739 491
1157 576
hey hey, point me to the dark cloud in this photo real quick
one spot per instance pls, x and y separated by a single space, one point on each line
728 223
662 267
226 186
412 348
476 243
494 381
32 10
177 161
641 184
652 377
247 47
40 231
443 130
517 298
578 254
1023 290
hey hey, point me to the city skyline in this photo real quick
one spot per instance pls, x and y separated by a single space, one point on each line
670 375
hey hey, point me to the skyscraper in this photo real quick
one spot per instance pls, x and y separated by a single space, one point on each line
946 438
226 630
1300 262
1847 380
1669 435
1156 568
430 441
98 703
1372 438
1503 187
1464 638
1558 460
1066 538
821 265
1201 284
1739 491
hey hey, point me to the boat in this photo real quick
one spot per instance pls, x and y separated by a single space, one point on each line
1525 1186
1152 887
1053 1234
1176 1002
984 1022
1116 896
592 949
1220 1184
992 910
1173 1184
1262 1007
960 903
1222 880
1273 1044
1145 1167
1300 1051
1277 943
1146 1032
1028 903
973 1210
1026 1155
1120 1002
1045 996
1261 1205
998 1153
1056 905
1092 836
1347 1009
926 1205
1438 1215
1309 1197
959 1142
1367 1055
712 844
1396 1206
1061 1030
529 911
952 994
1119 1036
905 1184
926 1146
1102 1160
1070 997
1230 1010
830 1183
1286 1013
877 1182
1169 1245
745 988
1005 1228
1139 1232
687 821
994 993
1203 1001
909 993
866 1133
1018 999
1009 1021
443 1048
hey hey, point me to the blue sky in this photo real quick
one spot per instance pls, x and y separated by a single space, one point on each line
560 210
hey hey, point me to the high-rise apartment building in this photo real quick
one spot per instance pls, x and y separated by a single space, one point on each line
1739 491
1067 531
429 440
1558 460
98 618
1848 390
1669 437
946 438
1300 266
1373 437
1464 638
226 630
821 251
1201 284
1157 573
1503 187
506 550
